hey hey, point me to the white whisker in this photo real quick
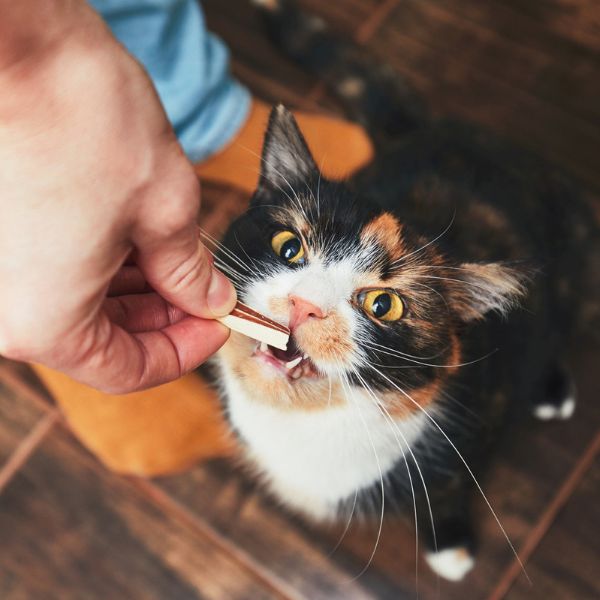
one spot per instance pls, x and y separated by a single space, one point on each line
234 257
396 431
344 380
347 527
391 352
460 456
419 250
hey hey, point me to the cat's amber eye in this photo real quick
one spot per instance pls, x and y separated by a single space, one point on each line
289 246
383 305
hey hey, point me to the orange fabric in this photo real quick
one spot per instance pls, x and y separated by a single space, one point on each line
153 432
339 148
169 428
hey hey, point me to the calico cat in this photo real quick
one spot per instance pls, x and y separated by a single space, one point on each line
429 298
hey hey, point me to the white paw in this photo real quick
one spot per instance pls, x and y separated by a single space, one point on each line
547 412
452 564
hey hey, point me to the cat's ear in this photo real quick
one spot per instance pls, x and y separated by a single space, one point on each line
478 288
286 159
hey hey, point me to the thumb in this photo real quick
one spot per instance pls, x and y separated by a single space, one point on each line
181 270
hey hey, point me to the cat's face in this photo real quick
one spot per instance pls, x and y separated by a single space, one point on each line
369 302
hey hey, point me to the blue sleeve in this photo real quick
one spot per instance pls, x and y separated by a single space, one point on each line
188 65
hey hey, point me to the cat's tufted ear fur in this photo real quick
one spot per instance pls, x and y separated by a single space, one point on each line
477 288
286 159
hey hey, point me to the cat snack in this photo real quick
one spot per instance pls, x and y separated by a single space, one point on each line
248 322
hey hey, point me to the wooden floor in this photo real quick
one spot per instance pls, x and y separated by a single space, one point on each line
529 69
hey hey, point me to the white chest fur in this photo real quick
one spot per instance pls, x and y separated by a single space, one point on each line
314 459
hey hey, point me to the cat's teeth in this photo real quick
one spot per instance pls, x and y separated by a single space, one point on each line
296 373
305 357
293 363
264 347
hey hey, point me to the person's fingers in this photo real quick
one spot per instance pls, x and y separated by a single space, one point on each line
119 362
171 256
142 312
128 280
179 348
180 268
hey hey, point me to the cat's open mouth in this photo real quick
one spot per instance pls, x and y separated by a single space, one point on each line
292 362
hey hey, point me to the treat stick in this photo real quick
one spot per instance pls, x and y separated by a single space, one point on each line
247 321
251 323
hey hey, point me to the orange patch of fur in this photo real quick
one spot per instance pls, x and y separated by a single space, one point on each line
385 230
326 339
274 389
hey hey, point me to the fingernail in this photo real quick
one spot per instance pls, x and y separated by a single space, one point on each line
221 295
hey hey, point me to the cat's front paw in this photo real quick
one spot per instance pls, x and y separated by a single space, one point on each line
561 410
451 563
559 396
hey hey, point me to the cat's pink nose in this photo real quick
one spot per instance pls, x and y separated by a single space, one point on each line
301 310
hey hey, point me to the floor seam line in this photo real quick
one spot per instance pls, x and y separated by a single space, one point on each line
18 384
544 523
171 505
26 448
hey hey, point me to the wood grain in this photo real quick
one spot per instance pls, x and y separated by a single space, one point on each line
540 93
269 75
72 530
566 563
18 415
575 20
221 495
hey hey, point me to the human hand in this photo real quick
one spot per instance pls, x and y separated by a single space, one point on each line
92 176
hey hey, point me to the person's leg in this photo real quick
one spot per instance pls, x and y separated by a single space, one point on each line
188 65
154 432
220 128
217 122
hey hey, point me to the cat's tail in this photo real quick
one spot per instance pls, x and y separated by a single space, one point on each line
373 94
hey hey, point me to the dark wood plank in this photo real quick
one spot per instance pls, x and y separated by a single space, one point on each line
493 38
346 17
566 563
72 530
258 65
219 494
466 70
577 20
255 63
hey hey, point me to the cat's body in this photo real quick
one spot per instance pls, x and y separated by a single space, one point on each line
478 249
